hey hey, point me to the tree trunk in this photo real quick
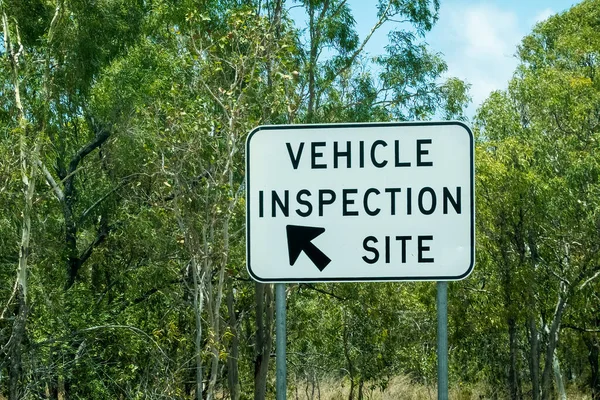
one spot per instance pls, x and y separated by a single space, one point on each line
534 357
232 359
312 67
198 306
199 271
216 335
513 378
593 345
67 198
348 358
16 348
28 163
552 342
18 331
361 385
264 323
20 292
212 309
560 385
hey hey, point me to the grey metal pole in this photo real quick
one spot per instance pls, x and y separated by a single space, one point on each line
280 342
442 339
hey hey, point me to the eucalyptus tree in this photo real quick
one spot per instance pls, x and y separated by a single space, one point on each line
27 160
549 117
338 79
122 130
54 61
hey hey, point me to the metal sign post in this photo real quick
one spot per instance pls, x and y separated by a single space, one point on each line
280 342
442 339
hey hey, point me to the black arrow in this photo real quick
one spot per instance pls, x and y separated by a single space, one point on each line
299 239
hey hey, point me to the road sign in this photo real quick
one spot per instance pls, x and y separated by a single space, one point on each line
360 202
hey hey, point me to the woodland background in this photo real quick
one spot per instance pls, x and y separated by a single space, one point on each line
122 251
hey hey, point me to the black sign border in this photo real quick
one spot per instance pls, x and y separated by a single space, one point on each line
361 125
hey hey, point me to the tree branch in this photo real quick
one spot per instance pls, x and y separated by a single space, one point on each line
101 199
587 282
100 237
99 327
57 190
580 329
316 289
101 135
358 51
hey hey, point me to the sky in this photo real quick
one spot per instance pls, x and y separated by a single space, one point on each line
478 39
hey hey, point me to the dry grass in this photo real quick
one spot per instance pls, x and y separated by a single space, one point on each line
402 388
399 388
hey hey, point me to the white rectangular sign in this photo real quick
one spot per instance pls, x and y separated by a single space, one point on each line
360 202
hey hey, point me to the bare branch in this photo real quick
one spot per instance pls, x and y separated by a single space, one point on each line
100 237
562 279
57 190
560 126
100 327
21 48
316 289
54 20
101 199
225 110
587 282
10 299
5 30
101 135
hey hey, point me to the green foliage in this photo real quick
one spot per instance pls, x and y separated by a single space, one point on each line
137 285
136 270
538 186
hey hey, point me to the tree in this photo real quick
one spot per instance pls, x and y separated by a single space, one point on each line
548 117
129 119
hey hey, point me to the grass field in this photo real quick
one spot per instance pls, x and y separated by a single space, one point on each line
399 388
402 388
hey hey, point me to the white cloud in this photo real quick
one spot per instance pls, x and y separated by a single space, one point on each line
543 15
487 31
479 43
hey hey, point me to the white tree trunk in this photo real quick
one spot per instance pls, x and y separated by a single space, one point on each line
198 307
27 161
560 385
